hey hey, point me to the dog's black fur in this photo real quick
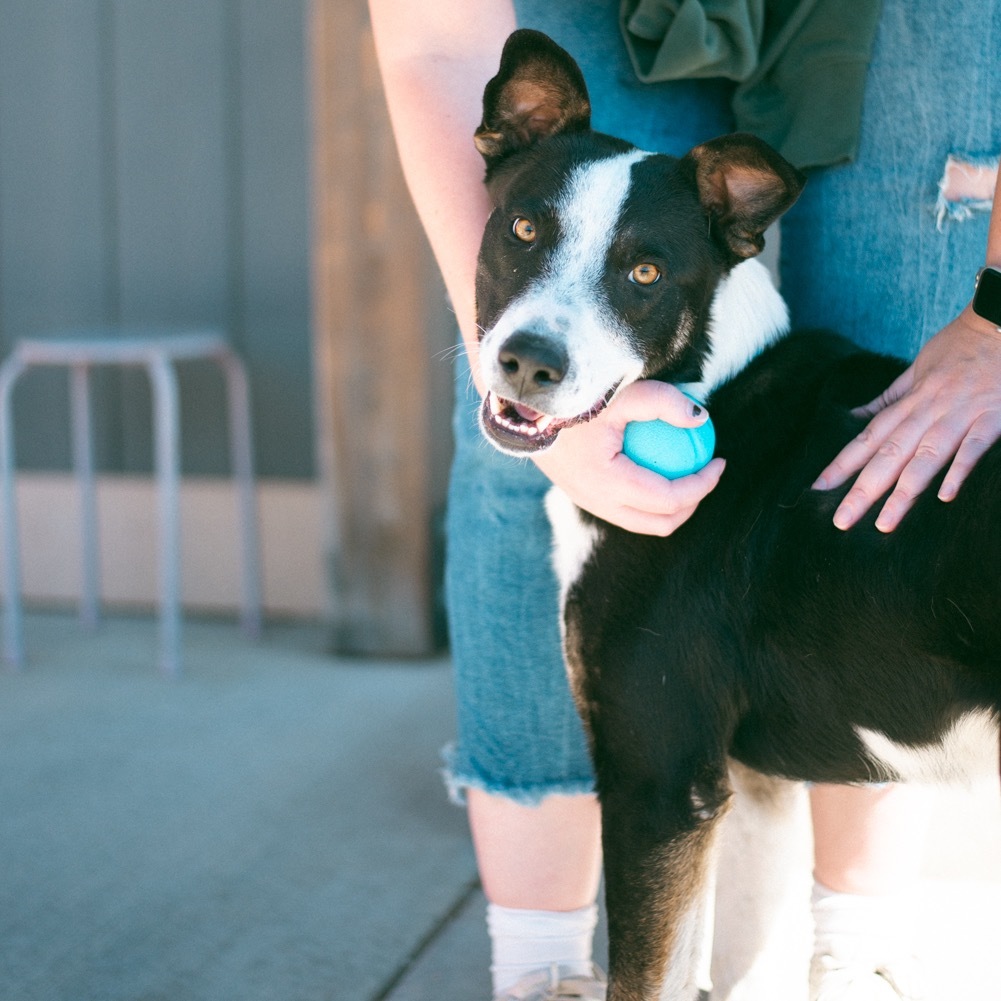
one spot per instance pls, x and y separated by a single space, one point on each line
757 630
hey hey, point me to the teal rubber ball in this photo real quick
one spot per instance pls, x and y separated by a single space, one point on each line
671 451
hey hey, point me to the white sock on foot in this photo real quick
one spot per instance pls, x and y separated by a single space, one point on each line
523 941
858 923
856 937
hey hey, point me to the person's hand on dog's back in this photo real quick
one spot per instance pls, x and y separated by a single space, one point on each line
587 463
945 410
945 406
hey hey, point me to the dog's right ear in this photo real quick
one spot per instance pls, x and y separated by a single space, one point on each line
744 186
538 91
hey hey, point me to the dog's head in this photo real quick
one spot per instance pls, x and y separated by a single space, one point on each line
600 263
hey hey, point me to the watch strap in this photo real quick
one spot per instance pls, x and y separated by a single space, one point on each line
987 295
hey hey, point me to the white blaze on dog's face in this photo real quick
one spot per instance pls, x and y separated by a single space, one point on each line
559 351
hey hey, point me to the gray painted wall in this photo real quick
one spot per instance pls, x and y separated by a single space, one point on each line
154 170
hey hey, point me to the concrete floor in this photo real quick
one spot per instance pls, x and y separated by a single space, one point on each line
273 826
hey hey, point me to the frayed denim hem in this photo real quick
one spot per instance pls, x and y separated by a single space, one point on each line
958 201
524 795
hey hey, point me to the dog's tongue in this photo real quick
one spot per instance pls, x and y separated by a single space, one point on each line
518 417
526 413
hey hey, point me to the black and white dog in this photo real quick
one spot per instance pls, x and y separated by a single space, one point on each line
757 632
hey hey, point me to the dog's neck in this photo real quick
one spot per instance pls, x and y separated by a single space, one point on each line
747 315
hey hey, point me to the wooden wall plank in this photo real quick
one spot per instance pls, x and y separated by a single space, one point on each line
375 344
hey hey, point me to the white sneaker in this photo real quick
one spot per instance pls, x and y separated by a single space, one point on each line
861 950
839 979
556 984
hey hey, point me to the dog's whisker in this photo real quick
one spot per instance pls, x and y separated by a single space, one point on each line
450 353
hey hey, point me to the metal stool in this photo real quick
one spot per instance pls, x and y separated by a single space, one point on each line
158 354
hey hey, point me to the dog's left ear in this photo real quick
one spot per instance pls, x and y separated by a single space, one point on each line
744 186
538 91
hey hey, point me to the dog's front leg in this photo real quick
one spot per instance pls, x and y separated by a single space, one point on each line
762 944
658 848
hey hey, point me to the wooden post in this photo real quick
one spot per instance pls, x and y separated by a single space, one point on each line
381 328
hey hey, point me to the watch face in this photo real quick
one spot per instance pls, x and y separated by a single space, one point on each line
987 300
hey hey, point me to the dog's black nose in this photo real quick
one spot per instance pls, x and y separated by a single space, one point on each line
537 360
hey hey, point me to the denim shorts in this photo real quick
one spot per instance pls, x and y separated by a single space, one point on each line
873 249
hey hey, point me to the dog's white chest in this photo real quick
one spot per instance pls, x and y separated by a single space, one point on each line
967 750
574 540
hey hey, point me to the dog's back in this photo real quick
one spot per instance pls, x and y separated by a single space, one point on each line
797 636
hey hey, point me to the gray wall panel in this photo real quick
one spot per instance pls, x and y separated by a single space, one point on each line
53 238
275 294
174 181
171 164
153 170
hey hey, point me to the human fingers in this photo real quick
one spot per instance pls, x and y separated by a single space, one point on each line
588 464
984 433
884 418
659 506
906 468
659 525
911 458
909 444
649 400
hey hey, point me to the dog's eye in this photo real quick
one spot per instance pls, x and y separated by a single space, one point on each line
524 229
645 274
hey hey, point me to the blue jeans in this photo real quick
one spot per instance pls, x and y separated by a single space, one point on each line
864 251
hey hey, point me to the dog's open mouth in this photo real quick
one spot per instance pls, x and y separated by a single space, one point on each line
517 427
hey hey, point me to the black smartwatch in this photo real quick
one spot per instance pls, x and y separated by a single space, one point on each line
987 296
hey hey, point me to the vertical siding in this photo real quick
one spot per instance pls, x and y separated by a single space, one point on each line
274 290
53 238
153 171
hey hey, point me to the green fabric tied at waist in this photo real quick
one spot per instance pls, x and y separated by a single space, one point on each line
799 65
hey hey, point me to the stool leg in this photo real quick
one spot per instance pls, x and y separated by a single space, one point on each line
167 431
242 460
13 633
83 462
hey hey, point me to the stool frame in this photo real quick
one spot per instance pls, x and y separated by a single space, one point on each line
158 354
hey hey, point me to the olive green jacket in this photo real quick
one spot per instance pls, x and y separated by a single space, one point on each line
799 65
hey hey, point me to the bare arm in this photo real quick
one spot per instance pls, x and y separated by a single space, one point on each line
945 410
435 59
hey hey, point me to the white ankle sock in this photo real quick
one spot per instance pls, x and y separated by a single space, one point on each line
524 941
859 927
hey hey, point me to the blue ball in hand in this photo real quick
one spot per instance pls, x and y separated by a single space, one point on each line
671 451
